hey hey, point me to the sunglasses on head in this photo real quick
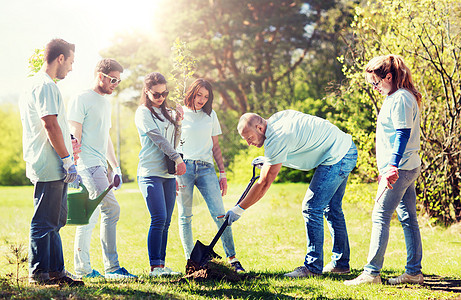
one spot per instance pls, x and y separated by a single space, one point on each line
113 80
157 95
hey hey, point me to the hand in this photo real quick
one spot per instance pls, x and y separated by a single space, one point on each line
117 171
234 214
223 183
179 113
69 169
180 166
76 148
391 176
76 183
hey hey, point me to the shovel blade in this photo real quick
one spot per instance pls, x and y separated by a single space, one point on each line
201 253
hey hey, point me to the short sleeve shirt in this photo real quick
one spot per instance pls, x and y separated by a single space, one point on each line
151 158
93 111
399 111
303 142
42 98
198 128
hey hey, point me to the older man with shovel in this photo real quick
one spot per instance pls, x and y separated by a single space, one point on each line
301 141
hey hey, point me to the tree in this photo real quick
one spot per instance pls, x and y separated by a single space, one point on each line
427 33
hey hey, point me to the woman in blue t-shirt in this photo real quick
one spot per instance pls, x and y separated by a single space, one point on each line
156 127
399 165
199 145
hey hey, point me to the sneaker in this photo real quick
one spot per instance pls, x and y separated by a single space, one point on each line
93 274
66 280
158 272
171 272
236 265
407 278
364 278
302 271
121 273
329 268
70 275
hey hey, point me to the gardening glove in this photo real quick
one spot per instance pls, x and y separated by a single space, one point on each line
76 183
69 169
223 183
117 171
234 214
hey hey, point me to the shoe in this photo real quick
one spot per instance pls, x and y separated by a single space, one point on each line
407 278
236 265
364 278
121 273
171 272
158 272
70 275
66 280
93 274
329 268
302 271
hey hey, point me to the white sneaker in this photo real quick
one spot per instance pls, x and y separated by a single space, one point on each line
302 271
171 272
407 278
364 278
158 272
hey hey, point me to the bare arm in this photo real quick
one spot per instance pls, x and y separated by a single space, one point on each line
217 153
76 130
259 189
54 133
111 154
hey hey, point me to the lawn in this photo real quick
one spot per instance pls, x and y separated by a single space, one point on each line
270 240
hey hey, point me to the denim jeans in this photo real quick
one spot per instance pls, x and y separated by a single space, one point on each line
96 181
324 198
50 214
401 198
160 196
201 174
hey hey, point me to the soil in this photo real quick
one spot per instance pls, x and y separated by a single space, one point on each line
212 270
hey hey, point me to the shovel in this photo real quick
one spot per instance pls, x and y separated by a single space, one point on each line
201 253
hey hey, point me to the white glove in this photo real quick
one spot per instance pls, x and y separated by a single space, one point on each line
69 169
118 172
234 214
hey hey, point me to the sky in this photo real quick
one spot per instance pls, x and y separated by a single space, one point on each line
26 25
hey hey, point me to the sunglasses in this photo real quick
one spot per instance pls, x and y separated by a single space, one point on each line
113 80
157 95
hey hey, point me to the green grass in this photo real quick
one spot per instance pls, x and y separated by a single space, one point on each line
270 240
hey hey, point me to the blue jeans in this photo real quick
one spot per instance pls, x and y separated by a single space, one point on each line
50 214
96 181
160 196
403 199
203 175
324 197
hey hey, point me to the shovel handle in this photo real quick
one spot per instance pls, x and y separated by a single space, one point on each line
225 224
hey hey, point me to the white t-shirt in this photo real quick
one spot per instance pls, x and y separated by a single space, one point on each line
93 111
151 158
399 111
42 98
197 130
303 142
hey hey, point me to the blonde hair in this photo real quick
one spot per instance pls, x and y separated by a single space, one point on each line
401 75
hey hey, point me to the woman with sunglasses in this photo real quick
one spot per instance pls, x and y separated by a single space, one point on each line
399 165
156 125
199 145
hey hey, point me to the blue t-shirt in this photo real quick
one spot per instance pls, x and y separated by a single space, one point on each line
399 111
197 130
42 98
303 142
93 111
151 158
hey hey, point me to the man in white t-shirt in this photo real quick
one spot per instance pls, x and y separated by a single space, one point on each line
304 142
89 117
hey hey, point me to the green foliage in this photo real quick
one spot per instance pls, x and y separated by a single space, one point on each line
36 61
427 34
184 66
12 166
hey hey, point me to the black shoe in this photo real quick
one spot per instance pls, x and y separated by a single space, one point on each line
237 266
66 281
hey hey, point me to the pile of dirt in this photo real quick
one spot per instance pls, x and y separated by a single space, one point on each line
212 270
